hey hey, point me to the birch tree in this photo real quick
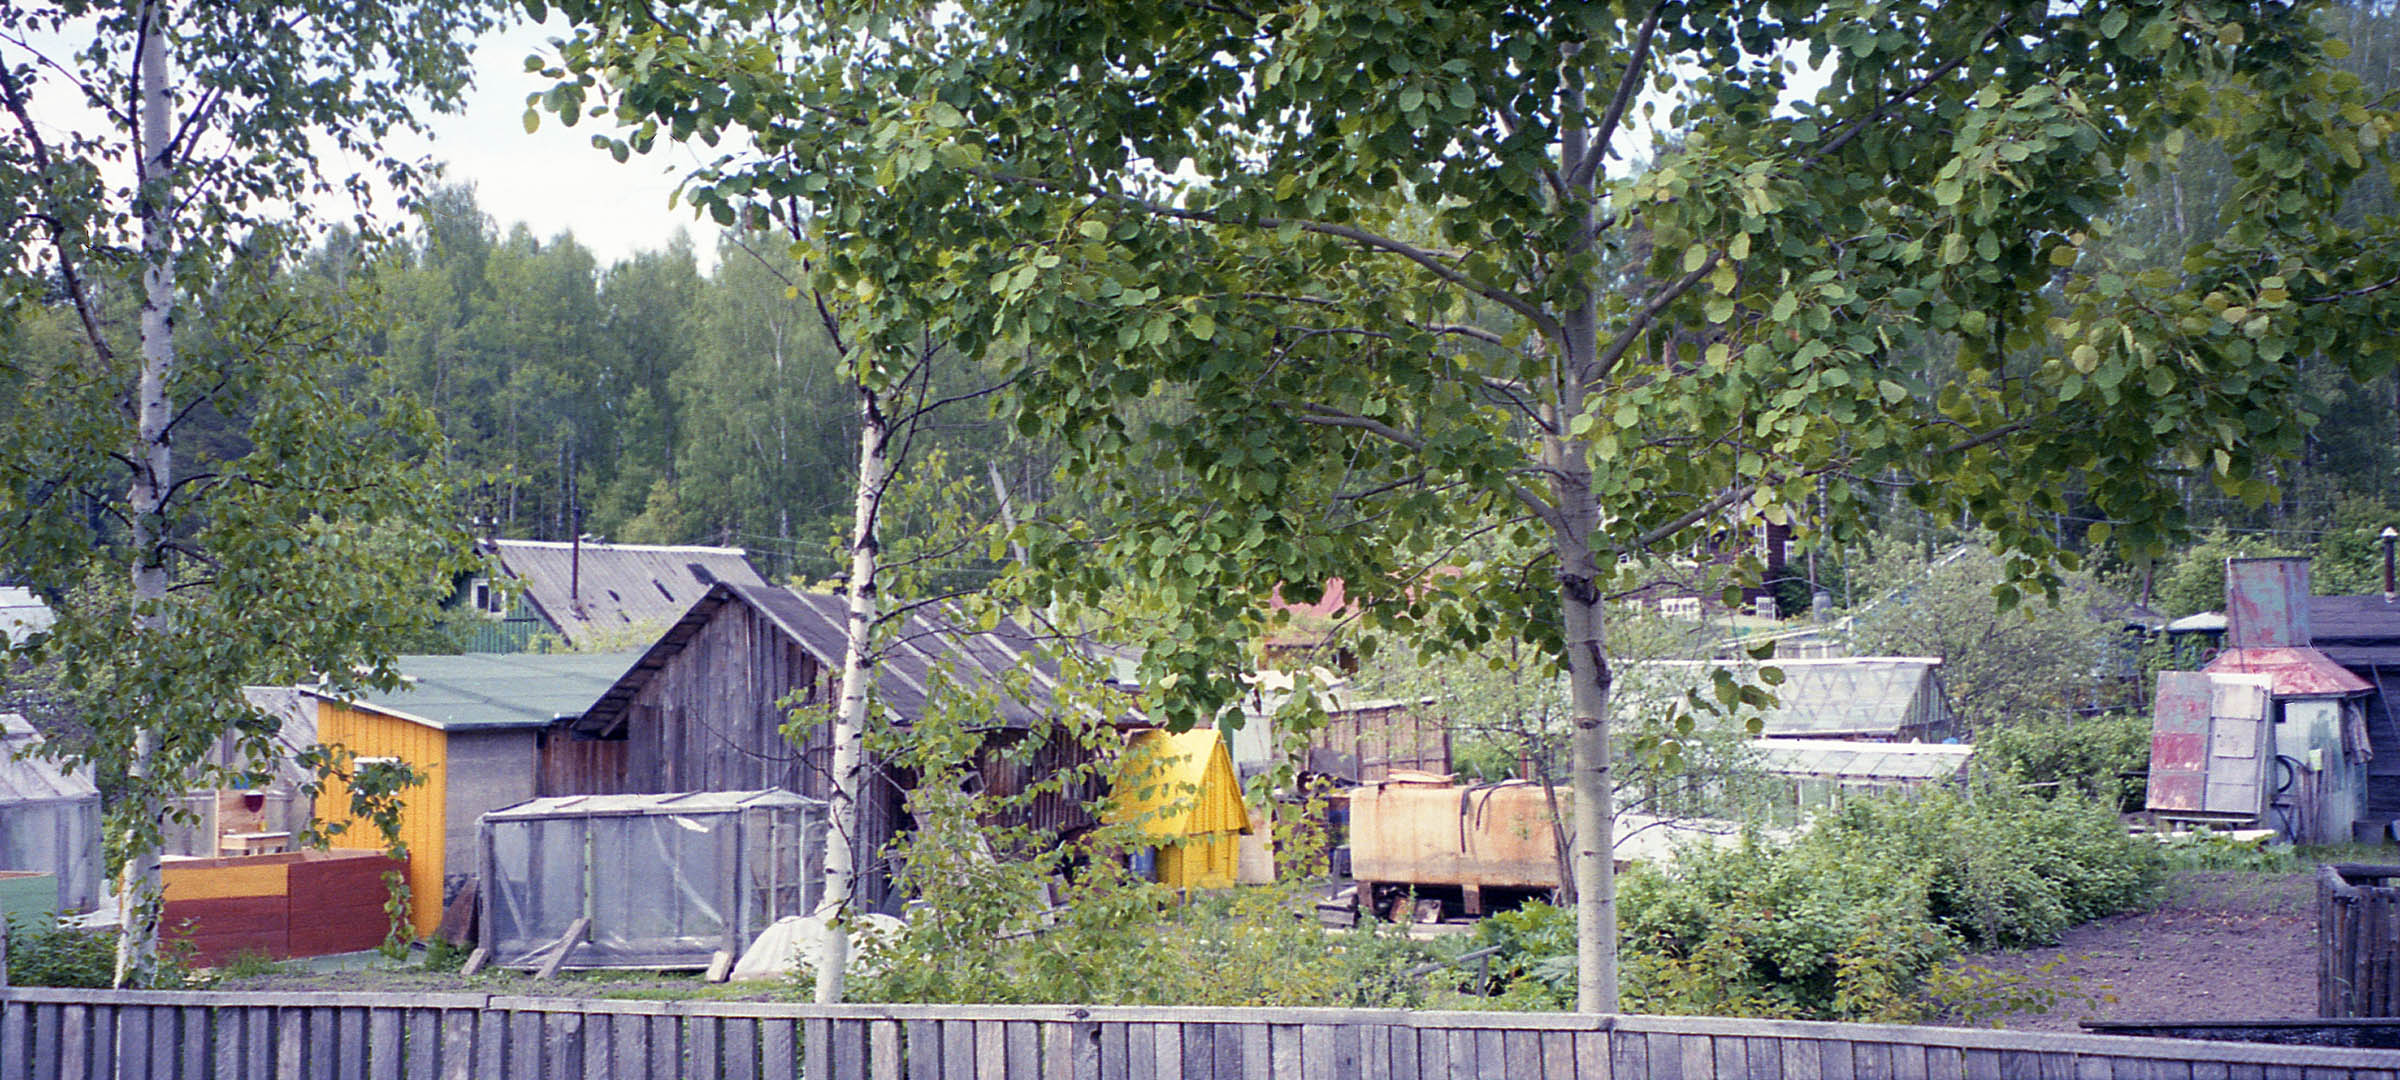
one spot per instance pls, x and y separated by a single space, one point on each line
1612 280
190 184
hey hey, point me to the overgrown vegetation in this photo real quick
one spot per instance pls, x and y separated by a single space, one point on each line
2106 757
1854 919
44 953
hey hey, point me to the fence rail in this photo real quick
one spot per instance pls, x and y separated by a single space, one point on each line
105 1035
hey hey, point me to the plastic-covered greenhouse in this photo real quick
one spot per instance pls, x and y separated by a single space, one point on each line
666 880
49 817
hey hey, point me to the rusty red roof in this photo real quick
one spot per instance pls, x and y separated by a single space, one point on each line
2298 672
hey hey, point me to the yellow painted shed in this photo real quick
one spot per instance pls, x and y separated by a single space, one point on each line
1181 789
471 726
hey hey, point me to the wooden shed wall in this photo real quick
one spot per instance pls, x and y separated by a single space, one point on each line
425 808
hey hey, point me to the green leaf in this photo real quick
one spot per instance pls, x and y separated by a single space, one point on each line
1694 257
1204 326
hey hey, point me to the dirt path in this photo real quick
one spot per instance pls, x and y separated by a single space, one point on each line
2223 945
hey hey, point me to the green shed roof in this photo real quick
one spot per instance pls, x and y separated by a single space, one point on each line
496 690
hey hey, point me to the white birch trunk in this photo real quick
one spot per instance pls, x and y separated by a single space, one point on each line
850 718
1588 677
153 460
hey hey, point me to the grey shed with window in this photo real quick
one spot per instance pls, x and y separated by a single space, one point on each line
667 880
49 817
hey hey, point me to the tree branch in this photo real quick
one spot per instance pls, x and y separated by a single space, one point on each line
1589 168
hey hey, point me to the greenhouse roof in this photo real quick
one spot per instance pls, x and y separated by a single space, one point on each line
28 779
1842 759
689 802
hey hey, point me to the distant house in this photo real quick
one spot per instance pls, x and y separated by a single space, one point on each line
473 727
586 593
2362 634
703 709
1871 698
1180 791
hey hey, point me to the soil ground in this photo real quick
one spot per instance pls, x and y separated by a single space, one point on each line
2224 945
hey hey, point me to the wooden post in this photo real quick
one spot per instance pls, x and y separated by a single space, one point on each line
564 948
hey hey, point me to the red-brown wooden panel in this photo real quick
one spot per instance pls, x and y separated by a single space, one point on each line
2179 741
222 928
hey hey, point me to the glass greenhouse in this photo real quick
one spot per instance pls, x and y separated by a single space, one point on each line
49 817
666 880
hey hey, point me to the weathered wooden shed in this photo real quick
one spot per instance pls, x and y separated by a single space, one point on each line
473 726
703 709
49 818
2272 732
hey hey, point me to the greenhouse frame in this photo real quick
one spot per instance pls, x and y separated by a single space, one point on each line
666 880
49 817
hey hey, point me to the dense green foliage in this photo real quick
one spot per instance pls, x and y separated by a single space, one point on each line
2105 757
1851 919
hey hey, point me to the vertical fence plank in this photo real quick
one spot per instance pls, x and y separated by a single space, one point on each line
165 1040
1946 1063
703 1047
350 1040
198 1026
458 1044
924 1050
2093 1067
737 1049
629 1047
1141 1051
1200 1052
49 1040
491 1047
421 1036
1983 1065
958 1050
127 1056
883 1051
1558 1055
1024 1042
1491 1054
1166 1051
779 1049
1765 1058
850 1049
1666 1056
1596 1056
1058 1051
1908 1063
291 1043
816 1038
383 1044
1230 1048
1315 1060
1084 1053
1462 1055
1404 1051
666 1047
1732 1057
1433 1053
1803 1059
599 1057
16 1040
1347 1051
1874 1060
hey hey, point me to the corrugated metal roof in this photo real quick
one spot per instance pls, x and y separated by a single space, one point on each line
611 587
929 642
685 802
2296 672
27 779
495 690
1846 760
2363 656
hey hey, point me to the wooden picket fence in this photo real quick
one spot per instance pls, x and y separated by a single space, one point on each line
2358 941
107 1035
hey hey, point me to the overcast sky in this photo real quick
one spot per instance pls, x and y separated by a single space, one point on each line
553 180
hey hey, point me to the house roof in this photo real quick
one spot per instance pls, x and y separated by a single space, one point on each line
1842 759
1179 784
929 646
26 779
2362 620
492 691
1848 695
590 589
2298 672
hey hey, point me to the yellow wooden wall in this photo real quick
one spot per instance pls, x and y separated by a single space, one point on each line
423 821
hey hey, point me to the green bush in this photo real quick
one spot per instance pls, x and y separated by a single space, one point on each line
1852 919
45 954
2102 756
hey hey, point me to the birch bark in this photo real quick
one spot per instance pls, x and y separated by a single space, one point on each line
850 719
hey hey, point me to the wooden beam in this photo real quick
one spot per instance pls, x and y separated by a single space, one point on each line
564 948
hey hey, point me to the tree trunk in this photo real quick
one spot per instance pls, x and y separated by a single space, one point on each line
849 723
153 468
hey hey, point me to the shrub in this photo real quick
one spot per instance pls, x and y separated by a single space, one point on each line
1852 920
46 954
2101 756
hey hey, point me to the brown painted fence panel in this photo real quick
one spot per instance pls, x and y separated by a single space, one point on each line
60 1034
